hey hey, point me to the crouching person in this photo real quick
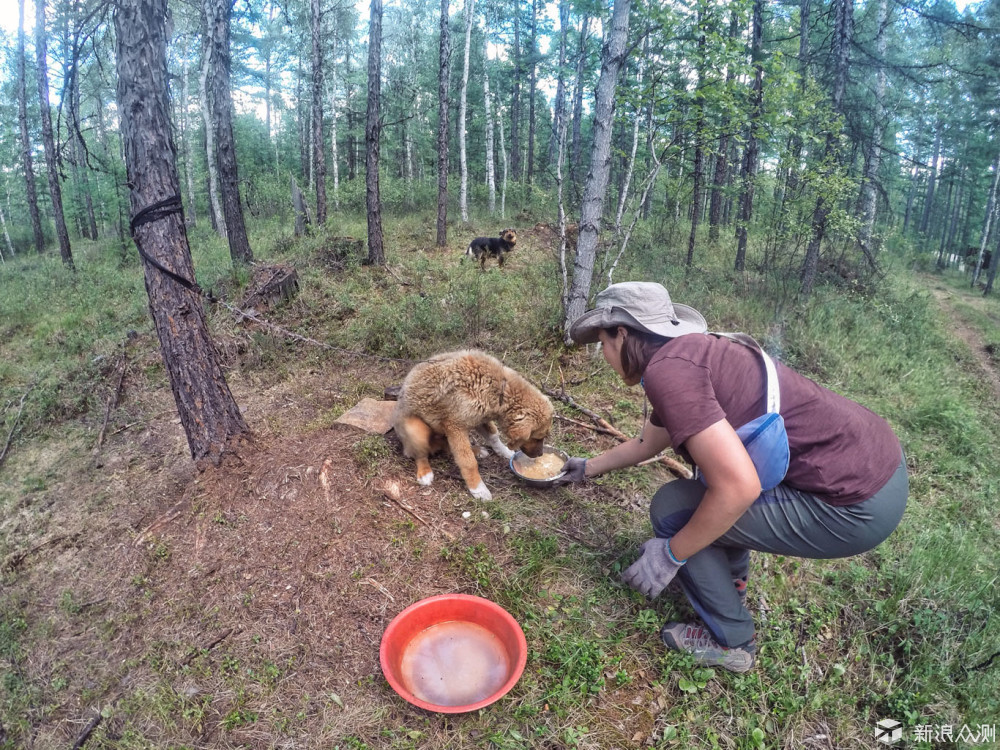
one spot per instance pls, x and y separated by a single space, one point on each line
784 465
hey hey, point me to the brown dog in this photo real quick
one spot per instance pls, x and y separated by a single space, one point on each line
450 394
482 248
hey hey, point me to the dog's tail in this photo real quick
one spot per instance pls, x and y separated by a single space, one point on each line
468 251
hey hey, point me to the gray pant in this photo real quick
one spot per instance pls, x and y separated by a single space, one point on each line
782 521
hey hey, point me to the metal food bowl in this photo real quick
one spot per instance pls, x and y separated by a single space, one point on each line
519 461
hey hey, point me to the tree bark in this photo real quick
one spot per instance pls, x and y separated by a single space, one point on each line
463 196
559 105
214 192
319 153
515 96
209 415
748 175
532 94
192 214
31 192
612 58
491 177
925 216
844 10
444 78
699 152
721 171
576 141
991 204
868 200
48 139
217 13
376 249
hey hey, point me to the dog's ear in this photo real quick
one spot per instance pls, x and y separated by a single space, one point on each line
503 232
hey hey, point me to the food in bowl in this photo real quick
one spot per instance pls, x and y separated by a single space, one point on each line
546 466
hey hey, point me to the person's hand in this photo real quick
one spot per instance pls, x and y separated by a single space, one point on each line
654 569
573 471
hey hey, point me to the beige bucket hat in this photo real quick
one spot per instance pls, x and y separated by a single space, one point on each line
642 305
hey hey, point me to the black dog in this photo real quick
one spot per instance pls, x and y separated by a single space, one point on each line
482 248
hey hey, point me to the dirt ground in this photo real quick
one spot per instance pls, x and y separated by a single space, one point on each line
972 337
286 563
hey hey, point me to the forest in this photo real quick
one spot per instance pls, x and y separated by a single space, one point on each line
226 224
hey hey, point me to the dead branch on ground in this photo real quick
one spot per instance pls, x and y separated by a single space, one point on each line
604 426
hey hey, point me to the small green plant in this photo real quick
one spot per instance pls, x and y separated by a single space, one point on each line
698 680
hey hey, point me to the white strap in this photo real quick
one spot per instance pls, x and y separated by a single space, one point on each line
773 396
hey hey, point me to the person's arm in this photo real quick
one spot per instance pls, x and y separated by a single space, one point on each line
732 488
650 442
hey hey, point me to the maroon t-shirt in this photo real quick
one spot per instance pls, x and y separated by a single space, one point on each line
839 450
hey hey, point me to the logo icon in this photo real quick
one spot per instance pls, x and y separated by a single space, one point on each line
888 732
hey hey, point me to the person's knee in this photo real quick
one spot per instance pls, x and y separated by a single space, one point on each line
673 504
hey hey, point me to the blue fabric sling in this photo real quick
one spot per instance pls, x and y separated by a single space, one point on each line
764 438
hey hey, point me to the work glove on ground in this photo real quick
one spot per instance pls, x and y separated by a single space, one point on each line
573 471
655 568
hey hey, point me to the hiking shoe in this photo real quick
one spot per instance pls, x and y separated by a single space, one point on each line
698 641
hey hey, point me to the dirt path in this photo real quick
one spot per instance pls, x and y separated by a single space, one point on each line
966 333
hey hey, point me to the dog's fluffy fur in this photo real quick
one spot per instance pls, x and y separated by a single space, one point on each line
450 394
482 248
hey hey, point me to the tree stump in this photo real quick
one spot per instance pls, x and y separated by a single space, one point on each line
270 286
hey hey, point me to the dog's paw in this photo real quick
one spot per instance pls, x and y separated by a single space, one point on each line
426 478
481 492
483 451
500 449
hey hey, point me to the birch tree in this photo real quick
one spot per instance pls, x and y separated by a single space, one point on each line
27 164
376 250
48 137
612 58
319 153
463 198
444 79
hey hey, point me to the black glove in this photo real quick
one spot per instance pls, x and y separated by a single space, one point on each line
573 471
654 570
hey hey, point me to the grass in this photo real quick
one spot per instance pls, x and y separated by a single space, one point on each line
903 632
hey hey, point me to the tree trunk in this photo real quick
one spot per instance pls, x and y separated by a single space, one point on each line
319 153
991 204
630 164
214 193
503 164
208 412
721 171
925 217
559 105
515 96
192 215
463 196
217 13
868 200
532 93
31 192
748 176
844 10
444 77
376 249
6 236
612 58
491 177
699 152
48 139
576 142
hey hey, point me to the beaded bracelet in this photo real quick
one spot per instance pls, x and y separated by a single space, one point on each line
673 559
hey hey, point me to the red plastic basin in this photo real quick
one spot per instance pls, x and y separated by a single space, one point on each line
453 653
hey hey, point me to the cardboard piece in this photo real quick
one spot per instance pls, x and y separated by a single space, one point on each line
370 415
